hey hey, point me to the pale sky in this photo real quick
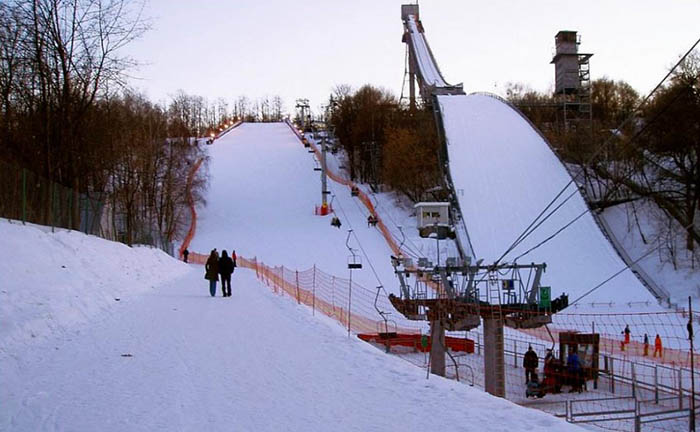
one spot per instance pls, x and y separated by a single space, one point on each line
302 49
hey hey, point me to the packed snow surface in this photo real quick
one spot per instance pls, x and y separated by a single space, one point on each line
505 175
51 281
260 202
167 356
428 69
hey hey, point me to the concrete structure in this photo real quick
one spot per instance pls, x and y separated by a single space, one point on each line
572 79
433 219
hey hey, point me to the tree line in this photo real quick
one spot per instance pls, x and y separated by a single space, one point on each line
68 115
648 157
385 141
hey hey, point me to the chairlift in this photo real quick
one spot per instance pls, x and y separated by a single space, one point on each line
335 221
317 166
354 260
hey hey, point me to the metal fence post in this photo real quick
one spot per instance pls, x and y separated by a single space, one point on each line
24 195
637 418
680 389
634 381
313 292
515 353
656 384
70 210
349 303
333 293
612 375
86 216
52 186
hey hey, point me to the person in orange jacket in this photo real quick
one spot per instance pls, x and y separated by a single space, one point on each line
658 348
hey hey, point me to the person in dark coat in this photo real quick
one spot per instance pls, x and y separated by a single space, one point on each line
646 345
573 368
212 271
185 254
530 362
225 270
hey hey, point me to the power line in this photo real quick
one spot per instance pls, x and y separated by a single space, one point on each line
617 186
529 230
621 270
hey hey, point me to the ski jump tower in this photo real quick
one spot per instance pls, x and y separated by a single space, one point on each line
457 294
422 67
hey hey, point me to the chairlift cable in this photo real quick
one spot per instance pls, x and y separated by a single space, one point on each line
387 213
369 261
654 249
602 146
617 186
552 236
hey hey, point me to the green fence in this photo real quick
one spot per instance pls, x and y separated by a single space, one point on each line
28 197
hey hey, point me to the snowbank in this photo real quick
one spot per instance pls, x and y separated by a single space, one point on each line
52 281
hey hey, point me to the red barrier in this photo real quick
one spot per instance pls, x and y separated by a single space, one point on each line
415 341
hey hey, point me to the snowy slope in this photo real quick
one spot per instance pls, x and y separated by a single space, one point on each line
508 175
169 357
261 200
428 69
50 281
626 223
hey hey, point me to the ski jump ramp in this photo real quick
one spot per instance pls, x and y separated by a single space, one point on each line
502 174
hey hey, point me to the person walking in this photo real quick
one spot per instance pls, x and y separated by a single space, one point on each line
212 271
626 332
646 345
225 270
573 367
530 362
185 254
658 347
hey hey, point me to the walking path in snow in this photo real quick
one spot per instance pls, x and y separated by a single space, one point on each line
176 359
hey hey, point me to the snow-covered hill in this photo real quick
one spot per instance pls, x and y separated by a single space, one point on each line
508 175
167 356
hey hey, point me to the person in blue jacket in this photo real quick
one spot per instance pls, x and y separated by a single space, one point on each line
573 367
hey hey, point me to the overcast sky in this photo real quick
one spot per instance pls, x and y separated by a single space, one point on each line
302 49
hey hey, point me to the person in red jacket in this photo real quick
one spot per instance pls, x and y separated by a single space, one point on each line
658 348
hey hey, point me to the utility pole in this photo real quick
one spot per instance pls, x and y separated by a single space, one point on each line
324 186
692 366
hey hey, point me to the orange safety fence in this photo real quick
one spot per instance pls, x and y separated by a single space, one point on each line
351 304
193 256
193 211
626 367
364 198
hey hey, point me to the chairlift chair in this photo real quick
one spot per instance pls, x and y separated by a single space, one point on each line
354 262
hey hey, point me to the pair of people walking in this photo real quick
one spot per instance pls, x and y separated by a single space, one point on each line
223 266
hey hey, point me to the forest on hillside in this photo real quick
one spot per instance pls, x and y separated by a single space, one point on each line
77 142
641 152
